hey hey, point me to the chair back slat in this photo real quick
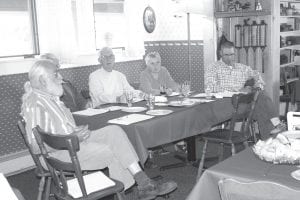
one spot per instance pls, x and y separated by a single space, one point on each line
35 157
59 142
248 101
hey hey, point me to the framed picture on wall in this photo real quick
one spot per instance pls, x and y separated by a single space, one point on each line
149 19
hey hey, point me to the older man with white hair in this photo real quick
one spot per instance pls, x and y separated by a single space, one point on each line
71 97
105 147
106 84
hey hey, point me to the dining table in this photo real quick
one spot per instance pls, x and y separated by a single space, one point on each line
185 122
245 167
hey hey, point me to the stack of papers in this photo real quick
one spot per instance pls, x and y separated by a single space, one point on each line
93 182
91 112
130 119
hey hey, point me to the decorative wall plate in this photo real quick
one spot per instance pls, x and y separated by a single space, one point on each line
149 19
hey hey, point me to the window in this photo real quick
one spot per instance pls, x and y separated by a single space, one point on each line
110 25
18 35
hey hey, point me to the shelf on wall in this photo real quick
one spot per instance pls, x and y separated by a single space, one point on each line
291 1
229 14
288 64
290 33
290 16
291 47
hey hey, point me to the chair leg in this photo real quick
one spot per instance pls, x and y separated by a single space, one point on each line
202 159
41 188
120 196
252 132
233 149
287 105
48 188
221 152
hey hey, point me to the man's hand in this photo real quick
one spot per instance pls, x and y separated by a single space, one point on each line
250 82
82 132
246 89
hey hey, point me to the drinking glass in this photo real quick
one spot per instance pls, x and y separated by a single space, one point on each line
162 89
129 98
150 98
186 88
208 93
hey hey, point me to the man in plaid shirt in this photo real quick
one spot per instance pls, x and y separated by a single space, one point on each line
227 75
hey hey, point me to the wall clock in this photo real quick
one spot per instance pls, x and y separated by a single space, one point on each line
149 19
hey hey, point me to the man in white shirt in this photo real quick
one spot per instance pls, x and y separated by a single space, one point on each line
107 85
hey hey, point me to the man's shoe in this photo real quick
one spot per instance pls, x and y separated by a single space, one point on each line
154 189
147 193
279 128
166 188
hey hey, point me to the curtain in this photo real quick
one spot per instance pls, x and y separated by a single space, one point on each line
85 26
134 10
56 28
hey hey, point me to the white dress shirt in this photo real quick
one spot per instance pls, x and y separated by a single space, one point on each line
105 86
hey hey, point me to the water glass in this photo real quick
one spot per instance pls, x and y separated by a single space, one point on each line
150 101
186 88
129 98
163 89
208 93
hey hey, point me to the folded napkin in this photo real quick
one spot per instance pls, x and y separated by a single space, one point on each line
91 112
130 119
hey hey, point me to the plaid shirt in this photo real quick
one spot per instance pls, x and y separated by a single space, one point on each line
220 77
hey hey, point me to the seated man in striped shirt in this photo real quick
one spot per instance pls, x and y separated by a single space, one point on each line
105 147
227 75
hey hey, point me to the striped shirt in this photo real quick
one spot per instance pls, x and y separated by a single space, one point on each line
220 77
49 113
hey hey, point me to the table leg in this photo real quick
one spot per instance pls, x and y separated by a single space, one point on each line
191 148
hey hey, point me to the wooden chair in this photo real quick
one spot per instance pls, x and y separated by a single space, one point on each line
40 172
231 189
84 187
230 136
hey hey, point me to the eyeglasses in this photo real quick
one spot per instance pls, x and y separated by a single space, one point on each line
111 56
231 54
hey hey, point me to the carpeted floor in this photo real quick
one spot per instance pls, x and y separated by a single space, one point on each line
185 176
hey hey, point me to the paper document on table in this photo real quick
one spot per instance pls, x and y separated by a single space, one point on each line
200 95
93 182
91 112
130 119
227 93
173 94
137 99
6 190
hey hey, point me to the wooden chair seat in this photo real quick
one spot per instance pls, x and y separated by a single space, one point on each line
223 136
